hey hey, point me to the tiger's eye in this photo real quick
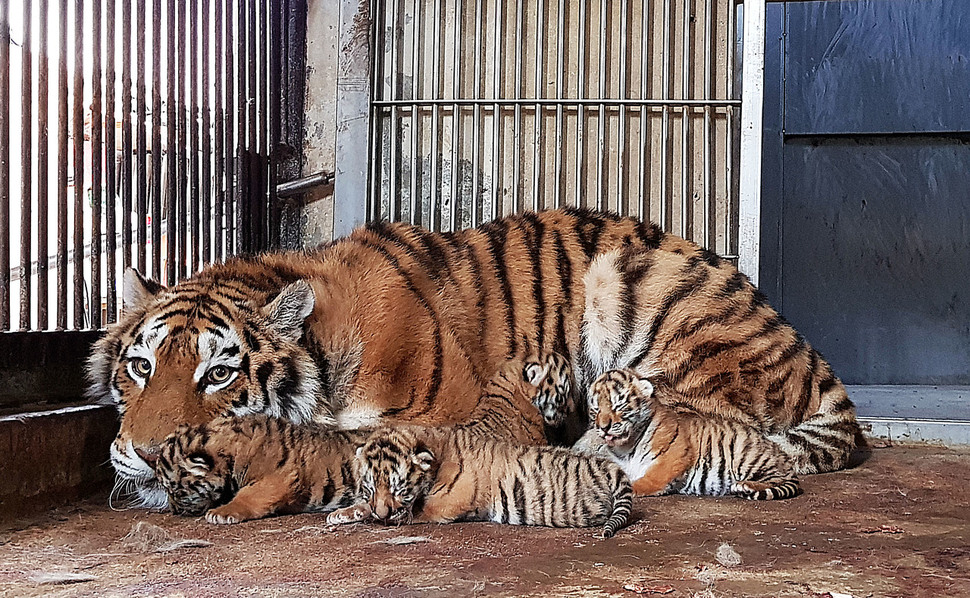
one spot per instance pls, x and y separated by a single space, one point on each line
141 367
219 374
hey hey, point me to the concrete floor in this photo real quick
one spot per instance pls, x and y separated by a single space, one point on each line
897 525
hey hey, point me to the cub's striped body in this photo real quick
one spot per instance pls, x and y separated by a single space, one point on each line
664 450
442 475
398 324
240 468
690 319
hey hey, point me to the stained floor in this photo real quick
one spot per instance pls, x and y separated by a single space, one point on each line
898 525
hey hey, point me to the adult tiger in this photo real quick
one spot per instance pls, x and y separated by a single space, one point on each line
391 323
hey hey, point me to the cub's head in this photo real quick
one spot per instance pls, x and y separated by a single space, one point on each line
204 348
396 472
193 477
619 405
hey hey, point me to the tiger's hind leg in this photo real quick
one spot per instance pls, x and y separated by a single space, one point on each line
768 490
825 441
552 377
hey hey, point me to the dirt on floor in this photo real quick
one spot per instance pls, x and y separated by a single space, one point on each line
897 525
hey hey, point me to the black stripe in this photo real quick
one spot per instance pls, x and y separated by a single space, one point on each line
682 291
535 241
565 271
263 373
588 228
519 493
650 235
497 232
630 280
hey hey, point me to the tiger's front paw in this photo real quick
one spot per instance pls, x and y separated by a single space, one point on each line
552 377
351 514
223 516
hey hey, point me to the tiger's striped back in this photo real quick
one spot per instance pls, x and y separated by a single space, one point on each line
676 450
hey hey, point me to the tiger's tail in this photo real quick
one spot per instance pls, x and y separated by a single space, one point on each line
622 506
776 490
826 440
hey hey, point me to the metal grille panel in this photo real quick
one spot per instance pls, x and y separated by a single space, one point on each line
484 107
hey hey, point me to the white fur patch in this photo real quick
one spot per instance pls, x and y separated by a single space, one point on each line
602 324
152 336
211 347
355 417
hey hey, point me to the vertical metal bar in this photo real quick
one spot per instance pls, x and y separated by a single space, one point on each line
220 187
376 118
126 142
157 193
560 55
477 117
517 110
455 121
181 145
601 116
5 166
665 119
171 153
193 147
78 135
685 127
97 131
540 51
708 42
26 166
43 67
393 207
230 133
622 202
141 141
436 60
110 162
206 151
644 200
262 154
731 72
253 215
752 114
496 110
416 79
62 157
580 108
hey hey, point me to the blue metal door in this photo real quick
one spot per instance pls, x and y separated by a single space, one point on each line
866 194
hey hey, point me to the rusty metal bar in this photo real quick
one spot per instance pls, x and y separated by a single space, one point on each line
78 134
171 162
193 147
537 124
206 151
219 166
126 141
253 215
141 141
301 185
4 166
110 181
62 158
182 144
157 192
97 134
26 167
232 189
43 74
269 79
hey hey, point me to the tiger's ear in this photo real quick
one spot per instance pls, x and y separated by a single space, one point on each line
290 309
137 290
533 372
645 386
423 458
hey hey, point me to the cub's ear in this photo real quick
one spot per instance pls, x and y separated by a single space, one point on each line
290 309
645 386
533 373
198 464
423 458
137 290
360 452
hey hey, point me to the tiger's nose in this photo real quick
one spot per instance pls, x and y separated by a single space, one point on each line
149 455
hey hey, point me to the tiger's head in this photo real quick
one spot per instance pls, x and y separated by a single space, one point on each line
396 471
196 351
620 405
194 478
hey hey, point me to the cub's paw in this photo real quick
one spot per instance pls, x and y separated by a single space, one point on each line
552 377
351 514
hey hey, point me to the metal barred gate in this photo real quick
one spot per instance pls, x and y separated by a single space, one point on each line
482 107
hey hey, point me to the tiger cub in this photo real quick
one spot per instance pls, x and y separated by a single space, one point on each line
234 469
441 475
666 449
